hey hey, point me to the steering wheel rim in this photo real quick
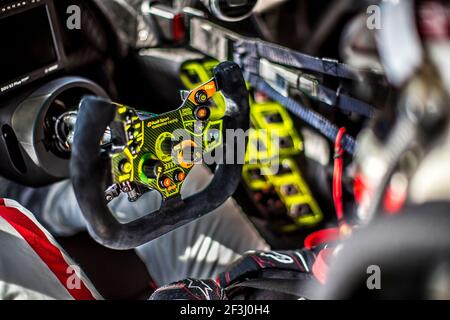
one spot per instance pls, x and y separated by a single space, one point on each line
89 176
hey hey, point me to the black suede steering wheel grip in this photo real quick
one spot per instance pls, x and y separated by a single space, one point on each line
89 175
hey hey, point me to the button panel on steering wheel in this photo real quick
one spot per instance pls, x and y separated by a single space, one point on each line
157 152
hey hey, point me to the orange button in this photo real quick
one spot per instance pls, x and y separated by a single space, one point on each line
165 182
202 113
180 176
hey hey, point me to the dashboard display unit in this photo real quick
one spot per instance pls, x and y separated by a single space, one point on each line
29 48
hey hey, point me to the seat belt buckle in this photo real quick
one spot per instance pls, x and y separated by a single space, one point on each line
309 85
280 78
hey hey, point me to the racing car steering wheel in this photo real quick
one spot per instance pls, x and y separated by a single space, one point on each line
146 159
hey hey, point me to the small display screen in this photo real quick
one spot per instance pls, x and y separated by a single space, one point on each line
27 44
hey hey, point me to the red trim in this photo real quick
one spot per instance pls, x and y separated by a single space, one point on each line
322 237
359 188
337 177
178 28
394 200
48 252
190 293
299 265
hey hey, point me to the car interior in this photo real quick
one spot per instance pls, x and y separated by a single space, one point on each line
93 91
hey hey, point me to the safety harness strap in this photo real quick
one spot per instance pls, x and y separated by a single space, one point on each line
260 49
314 119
